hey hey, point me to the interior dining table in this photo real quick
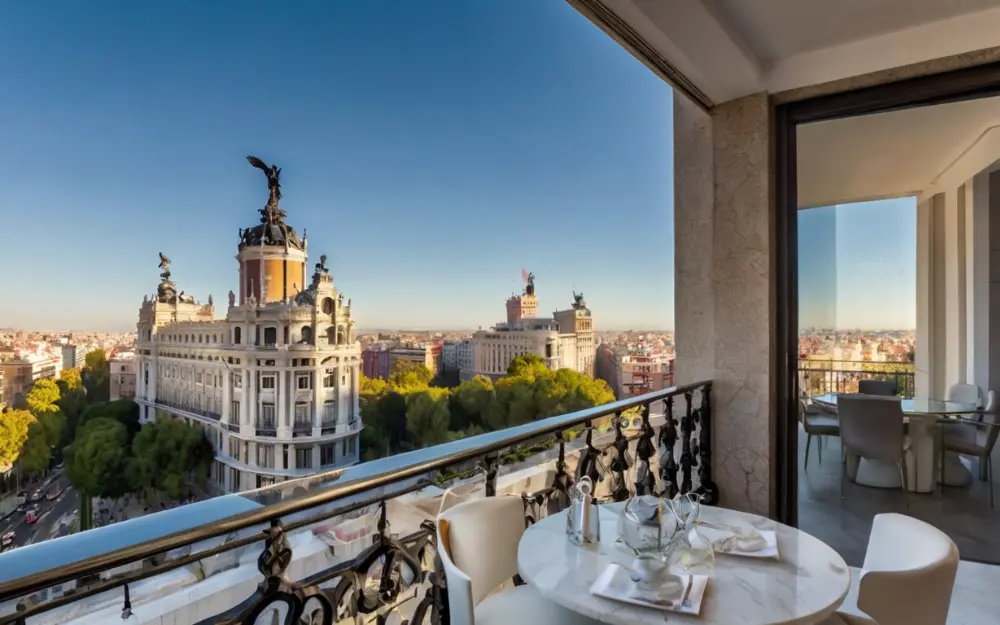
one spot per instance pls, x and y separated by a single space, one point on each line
921 415
807 582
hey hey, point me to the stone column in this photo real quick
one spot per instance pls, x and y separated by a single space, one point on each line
955 284
723 316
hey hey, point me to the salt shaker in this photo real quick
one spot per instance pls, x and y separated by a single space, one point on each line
582 520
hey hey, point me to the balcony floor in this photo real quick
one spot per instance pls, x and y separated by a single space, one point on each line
962 513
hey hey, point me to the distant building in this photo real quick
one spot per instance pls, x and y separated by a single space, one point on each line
22 370
3 389
122 368
523 334
74 356
375 362
458 355
578 320
427 355
643 373
608 367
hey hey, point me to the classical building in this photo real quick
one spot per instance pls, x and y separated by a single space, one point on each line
524 333
577 320
20 370
122 368
274 383
74 356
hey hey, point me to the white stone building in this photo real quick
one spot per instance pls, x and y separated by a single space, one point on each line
122 368
274 383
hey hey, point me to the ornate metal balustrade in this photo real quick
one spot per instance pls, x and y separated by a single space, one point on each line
658 453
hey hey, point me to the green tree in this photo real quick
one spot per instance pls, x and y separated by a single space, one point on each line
124 411
427 417
98 460
13 434
97 376
43 396
409 376
167 452
36 453
527 366
72 402
471 402
69 379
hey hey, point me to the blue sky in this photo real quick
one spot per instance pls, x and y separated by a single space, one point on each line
858 264
431 149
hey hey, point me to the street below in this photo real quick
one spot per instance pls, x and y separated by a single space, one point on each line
50 514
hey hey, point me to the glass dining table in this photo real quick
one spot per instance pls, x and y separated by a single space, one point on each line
921 414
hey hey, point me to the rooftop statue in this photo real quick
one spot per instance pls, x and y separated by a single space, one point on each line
273 174
165 266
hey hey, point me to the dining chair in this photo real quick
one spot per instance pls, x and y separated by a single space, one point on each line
878 387
819 423
871 426
975 438
477 543
965 393
907 577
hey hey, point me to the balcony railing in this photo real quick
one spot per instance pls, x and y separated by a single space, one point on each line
392 570
232 426
818 377
266 427
302 428
328 426
208 414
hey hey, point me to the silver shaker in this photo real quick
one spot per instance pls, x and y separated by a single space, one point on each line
582 520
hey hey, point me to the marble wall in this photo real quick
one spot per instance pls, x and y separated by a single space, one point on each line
723 282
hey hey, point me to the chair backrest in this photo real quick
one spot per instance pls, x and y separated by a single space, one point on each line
479 539
909 572
877 387
871 426
991 417
965 393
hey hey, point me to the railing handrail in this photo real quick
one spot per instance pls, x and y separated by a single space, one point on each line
359 479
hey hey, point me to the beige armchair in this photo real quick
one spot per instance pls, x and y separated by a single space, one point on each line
975 438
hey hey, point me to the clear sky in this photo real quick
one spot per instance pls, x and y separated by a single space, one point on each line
858 266
431 149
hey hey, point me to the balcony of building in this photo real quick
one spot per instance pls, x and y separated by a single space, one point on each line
360 543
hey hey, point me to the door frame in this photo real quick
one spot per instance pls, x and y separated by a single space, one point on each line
981 81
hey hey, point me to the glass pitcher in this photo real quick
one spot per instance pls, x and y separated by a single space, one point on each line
647 526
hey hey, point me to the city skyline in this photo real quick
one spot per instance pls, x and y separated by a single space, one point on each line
506 137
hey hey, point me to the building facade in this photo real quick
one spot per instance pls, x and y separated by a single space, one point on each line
494 349
74 356
22 370
122 367
274 383
578 320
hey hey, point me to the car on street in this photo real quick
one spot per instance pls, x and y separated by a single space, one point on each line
54 494
32 515
38 495
7 539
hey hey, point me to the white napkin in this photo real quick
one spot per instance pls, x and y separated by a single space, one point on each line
742 541
614 583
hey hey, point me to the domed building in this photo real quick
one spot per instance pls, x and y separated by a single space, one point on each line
275 383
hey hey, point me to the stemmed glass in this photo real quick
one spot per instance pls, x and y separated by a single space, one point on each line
694 552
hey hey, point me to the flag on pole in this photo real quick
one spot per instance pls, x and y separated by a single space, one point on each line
524 276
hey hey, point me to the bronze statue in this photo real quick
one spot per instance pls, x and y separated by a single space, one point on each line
232 299
165 266
273 174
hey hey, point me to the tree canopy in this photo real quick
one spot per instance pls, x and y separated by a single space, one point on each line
98 460
405 412
97 376
166 451
13 434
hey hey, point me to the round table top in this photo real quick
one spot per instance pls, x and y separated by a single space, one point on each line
807 583
913 405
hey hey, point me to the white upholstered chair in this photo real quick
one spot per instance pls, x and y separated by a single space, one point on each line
907 577
477 542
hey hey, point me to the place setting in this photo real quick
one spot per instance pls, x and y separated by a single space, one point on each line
669 550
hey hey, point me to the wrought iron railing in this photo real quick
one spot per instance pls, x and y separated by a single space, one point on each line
393 570
818 377
302 428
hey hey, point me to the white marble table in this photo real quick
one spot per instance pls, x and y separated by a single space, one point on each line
807 583
921 414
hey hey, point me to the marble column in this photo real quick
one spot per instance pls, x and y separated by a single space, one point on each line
724 272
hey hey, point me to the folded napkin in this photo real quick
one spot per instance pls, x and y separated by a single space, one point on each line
741 541
615 583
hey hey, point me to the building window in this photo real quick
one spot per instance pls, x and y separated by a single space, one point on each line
329 411
343 448
265 455
267 382
329 379
303 457
234 479
307 334
267 416
234 448
328 306
327 454
199 338
270 337
302 412
331 336
234 416
237 335
237 380
303 382
198 378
